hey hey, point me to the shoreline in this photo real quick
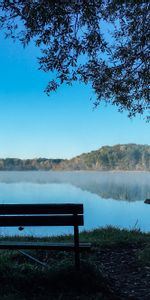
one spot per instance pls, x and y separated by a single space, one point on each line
78 171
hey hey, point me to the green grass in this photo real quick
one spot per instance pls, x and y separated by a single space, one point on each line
23 279
107 236
110 236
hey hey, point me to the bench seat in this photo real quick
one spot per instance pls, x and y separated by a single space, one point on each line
26 215
12 245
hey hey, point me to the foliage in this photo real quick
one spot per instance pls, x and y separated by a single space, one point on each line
104 43
10 164
118 157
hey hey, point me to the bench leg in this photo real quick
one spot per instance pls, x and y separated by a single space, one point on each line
76 246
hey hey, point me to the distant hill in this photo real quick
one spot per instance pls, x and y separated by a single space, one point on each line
118 157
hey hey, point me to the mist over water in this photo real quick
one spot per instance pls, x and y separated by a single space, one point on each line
130 186
109 198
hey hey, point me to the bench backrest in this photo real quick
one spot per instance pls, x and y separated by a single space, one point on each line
41 215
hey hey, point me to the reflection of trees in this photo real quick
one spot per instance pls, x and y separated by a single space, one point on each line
118 191
130 186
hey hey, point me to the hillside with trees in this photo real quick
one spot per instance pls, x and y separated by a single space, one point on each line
127 157
118 157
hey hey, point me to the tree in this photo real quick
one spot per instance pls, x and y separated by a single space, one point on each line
75 47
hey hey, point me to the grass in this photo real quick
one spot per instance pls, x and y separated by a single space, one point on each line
22 279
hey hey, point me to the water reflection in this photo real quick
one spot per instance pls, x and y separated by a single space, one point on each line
90 188
129 186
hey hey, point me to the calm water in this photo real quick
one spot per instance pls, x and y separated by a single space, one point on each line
109 198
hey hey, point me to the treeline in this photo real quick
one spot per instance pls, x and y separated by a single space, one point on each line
118 157
11 164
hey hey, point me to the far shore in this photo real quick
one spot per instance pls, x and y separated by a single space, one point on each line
71 170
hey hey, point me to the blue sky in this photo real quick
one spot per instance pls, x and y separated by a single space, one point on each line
60 126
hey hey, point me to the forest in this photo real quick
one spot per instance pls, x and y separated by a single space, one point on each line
127 157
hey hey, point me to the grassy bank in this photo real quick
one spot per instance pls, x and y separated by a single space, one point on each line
23 279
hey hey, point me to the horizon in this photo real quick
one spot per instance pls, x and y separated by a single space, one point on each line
62 125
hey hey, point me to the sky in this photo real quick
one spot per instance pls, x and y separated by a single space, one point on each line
63 125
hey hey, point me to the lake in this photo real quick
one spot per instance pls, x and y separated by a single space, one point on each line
109 198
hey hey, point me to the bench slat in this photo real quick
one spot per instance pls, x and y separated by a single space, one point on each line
67 208
69 220
12 245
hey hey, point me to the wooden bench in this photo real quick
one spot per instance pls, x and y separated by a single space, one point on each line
22 215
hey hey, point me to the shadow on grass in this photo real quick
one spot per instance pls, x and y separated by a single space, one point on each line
62 282
20 279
